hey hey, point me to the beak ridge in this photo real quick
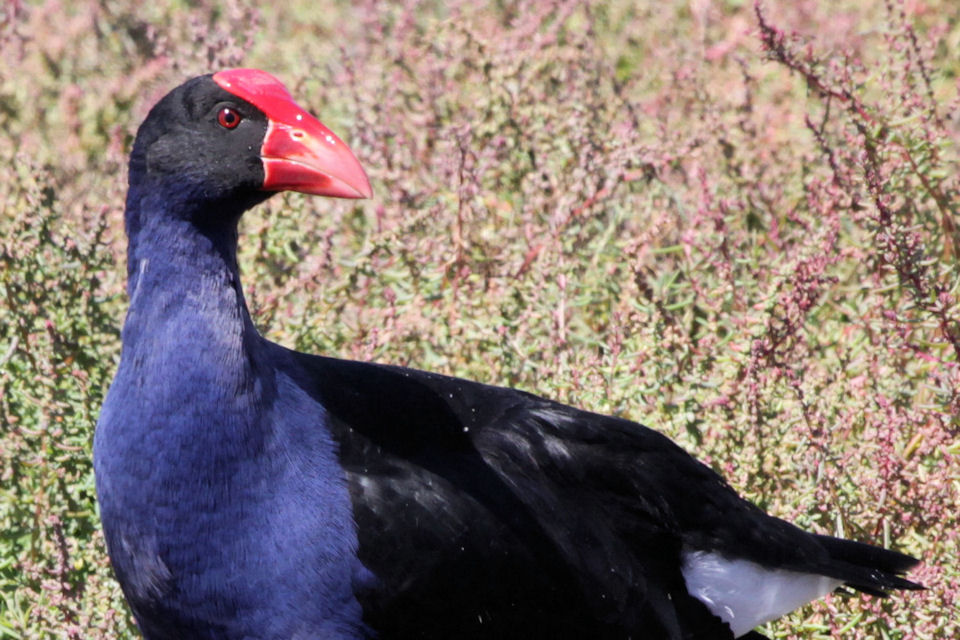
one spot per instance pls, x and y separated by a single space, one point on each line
307 157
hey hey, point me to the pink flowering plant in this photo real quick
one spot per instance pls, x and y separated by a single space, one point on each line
735 223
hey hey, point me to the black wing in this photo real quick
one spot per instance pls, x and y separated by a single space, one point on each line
486 512
491 513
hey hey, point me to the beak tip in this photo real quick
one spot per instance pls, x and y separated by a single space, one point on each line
366 191
355 186
355 179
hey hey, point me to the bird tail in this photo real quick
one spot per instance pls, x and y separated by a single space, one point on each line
867 568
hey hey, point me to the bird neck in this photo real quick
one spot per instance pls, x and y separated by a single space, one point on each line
181 226
185 294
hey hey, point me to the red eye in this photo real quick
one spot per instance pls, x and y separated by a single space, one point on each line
228 118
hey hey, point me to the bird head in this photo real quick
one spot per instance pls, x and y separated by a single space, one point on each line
220 143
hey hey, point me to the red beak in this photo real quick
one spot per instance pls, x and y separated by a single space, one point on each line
299 153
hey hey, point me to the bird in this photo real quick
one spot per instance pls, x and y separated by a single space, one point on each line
249 491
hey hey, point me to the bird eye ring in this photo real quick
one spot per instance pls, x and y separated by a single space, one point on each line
228 118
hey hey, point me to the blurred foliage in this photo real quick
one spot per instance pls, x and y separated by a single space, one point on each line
740 230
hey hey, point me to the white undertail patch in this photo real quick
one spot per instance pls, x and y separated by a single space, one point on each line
745 594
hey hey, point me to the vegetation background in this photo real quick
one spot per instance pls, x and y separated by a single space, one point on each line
736 224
